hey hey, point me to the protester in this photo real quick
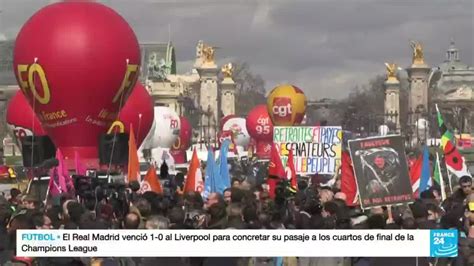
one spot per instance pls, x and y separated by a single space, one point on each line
244 205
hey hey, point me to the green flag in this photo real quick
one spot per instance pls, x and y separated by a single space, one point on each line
453 159
437 171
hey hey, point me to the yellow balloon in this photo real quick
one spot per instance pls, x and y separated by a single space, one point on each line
286 105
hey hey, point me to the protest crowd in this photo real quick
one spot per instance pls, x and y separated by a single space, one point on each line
81 102
244 205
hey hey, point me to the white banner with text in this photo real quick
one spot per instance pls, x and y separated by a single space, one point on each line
237 243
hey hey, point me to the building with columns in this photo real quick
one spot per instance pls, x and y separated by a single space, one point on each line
203 92
418 74
227 91
392 97
453 90
8 87
450 85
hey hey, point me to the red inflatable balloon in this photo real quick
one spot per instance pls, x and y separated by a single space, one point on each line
21 119
259 125
138 112
76 63
263 149
178 150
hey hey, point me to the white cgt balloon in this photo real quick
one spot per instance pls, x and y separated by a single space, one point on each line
238 126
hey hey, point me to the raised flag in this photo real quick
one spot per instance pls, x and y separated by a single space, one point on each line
425 171
454 160
151 181
57 182
56 185
194 181
275 171
415 175
290 171
64 172
133 173
348 180
209 179
80 168
438 177
224 175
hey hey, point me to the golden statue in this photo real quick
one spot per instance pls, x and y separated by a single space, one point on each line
227 70
417 53
208 53
391 71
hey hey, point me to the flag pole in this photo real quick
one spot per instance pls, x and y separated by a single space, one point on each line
47 195
441 180
449 179
447 171
139 125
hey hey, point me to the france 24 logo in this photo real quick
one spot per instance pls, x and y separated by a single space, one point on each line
443 243
282 109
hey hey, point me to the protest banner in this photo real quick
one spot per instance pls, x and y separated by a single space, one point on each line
316 150
381 171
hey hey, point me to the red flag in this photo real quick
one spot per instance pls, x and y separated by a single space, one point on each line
80 168
57 178
275 171
194 179
415 175
151 182
348 181
55 186
133 164
290 170
64 172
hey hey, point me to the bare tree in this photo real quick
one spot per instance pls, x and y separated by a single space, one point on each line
363 109
250 89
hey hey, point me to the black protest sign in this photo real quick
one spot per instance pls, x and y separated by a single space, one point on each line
381 171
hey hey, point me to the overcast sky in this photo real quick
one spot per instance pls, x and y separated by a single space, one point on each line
324 47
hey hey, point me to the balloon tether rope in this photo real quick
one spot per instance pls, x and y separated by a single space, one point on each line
33 120
115 131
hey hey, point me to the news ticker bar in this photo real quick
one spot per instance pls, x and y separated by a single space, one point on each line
237 243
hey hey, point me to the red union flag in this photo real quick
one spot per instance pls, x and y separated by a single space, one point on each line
281 109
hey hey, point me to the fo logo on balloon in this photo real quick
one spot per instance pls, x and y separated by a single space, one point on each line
26 77
173 123
177 144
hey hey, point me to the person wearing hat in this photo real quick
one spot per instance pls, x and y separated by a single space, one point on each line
31 201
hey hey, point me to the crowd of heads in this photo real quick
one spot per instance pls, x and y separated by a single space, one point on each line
245 205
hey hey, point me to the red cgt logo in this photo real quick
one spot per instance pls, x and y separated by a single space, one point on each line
282 109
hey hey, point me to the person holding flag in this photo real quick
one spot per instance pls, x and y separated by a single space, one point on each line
455 162
276 172
291 171
420 173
